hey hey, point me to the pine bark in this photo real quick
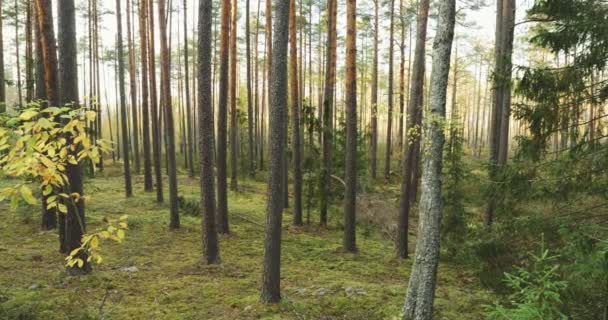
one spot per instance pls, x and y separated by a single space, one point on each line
374 98
350 197
123 104
156 134
133 92
295 117
145 109
423 279
233 111
211 249
189 131
48 86
168 116
250 113
222 114
389 128
75 225
271 276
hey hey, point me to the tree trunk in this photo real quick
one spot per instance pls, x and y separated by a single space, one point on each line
499 124
401 76
190 138
409 162
133 91
222 114
389 131
29 55
211 250
145 113
168 115
328 101
423 278
271 276
233 113
48 86
374 120
123 105
350 196
156 135
75 225
295 117
250 115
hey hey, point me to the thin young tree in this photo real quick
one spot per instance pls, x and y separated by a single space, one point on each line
271 275
328 101
295 117
374 117
189 133
133 92
250 115
414 117
75 225
123 103
233 111
156 135
168 115
222 118
389 121
145 110
211 249
423 279
350 197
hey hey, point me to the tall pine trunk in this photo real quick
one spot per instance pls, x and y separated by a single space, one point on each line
156 134
350 196
168 115
75 225
123 104
189 133
389 125
295 116
271 276
145 111
133 92
211 250
222 114
233 107
374 117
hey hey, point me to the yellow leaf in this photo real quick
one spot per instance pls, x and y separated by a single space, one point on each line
27 195
62 208
94 243
90 115
124 217
120 234
28 114
74 252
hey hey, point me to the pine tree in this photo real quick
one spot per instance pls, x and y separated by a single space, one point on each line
271 276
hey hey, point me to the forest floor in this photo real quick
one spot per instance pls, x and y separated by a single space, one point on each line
157 273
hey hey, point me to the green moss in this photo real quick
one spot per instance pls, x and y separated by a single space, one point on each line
318 280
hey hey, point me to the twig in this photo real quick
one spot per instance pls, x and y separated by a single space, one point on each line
103 302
